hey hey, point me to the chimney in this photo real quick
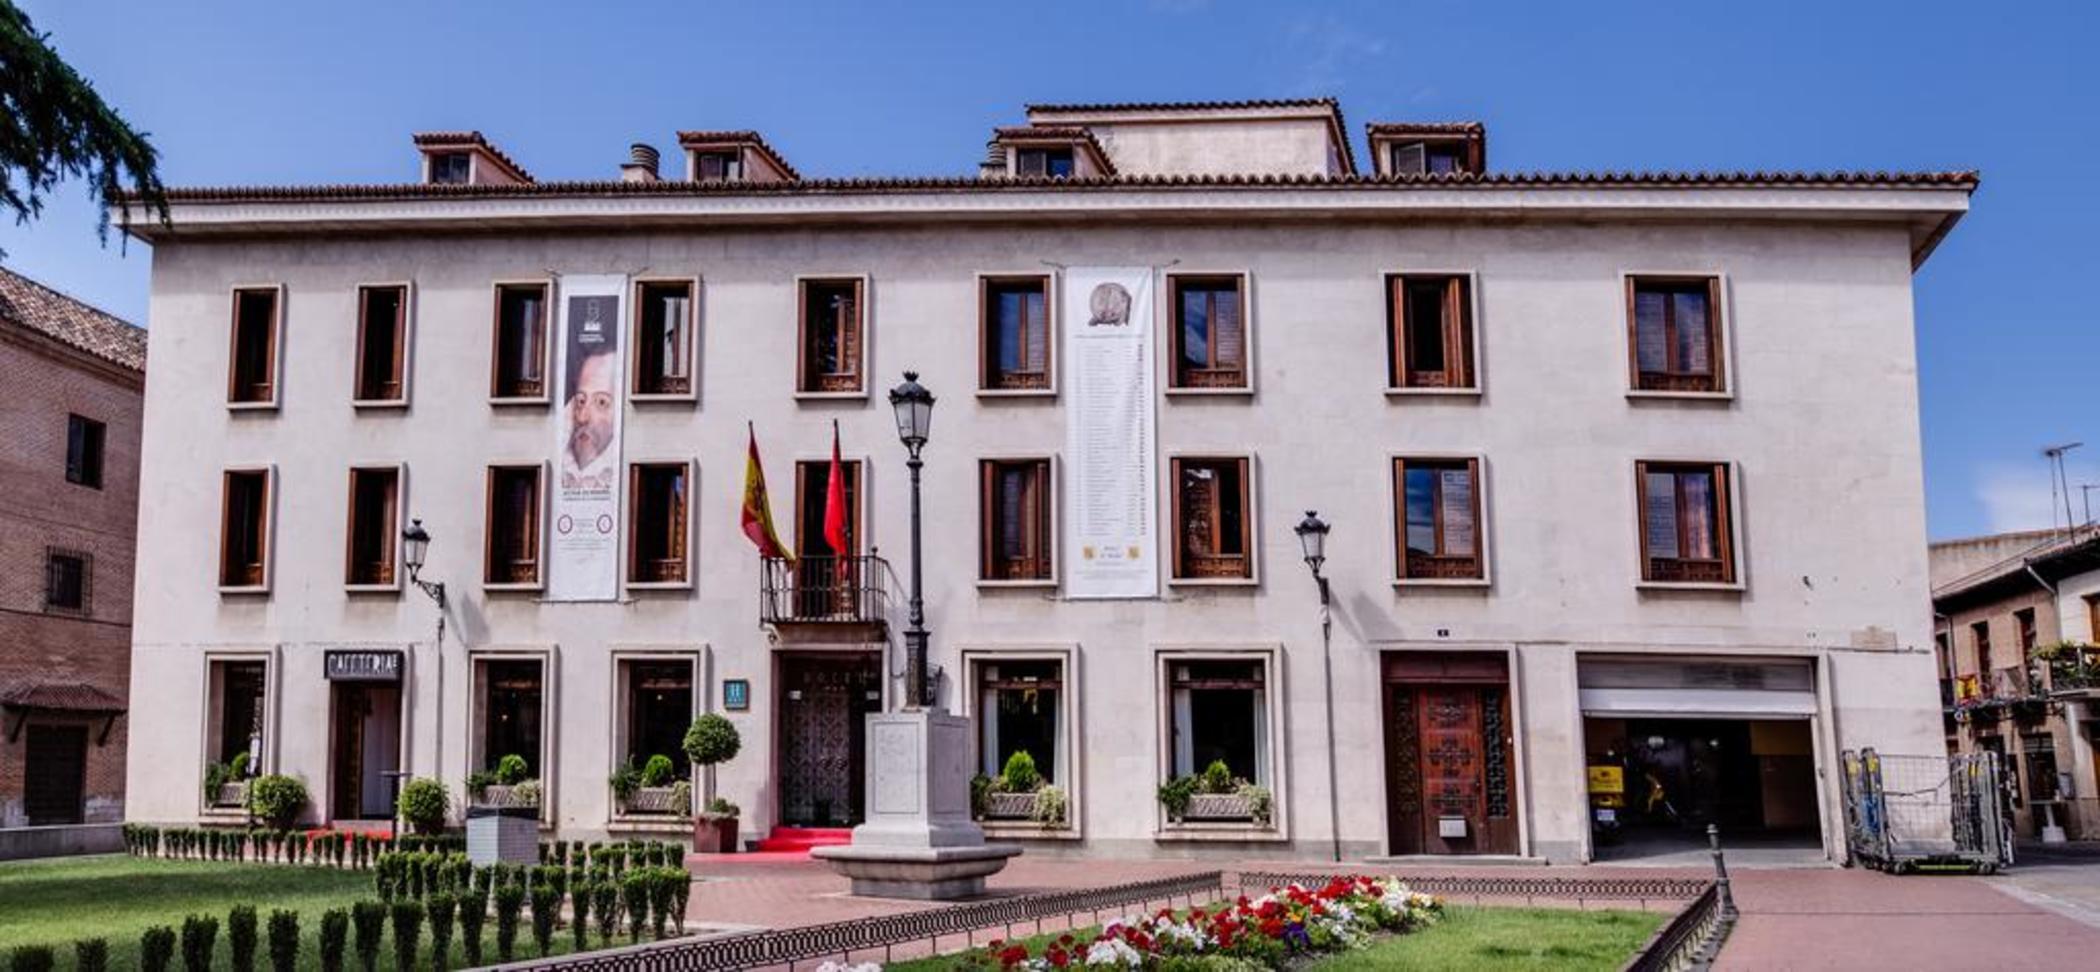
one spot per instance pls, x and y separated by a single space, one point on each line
640 165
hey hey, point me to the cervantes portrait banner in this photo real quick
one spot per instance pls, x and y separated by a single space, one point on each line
583 556
1111 526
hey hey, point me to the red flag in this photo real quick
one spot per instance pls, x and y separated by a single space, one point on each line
835 500
757 515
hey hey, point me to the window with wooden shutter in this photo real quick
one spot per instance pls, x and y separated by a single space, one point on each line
244 528
511 553
1674 333
1429 343
656 544
375 495
1014 317
84 451
382 345
1212 522
1685 523
252 376
1440 519
663 342
1015 532
518 371
833 339
1209 332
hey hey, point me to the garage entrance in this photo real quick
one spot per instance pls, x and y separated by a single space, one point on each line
1673 746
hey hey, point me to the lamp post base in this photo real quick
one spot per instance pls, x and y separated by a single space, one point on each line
919 841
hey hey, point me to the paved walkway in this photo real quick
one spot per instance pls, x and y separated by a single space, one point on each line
1822 918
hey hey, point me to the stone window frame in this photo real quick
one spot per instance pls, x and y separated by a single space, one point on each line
1271 656
1072 734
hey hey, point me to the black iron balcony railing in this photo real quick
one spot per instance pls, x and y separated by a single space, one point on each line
820 590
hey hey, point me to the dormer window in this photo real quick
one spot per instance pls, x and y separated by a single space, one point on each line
451 168
1054 163
718 166
1428 158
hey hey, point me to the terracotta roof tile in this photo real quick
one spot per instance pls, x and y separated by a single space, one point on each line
437 139
1966 180
1425 128
52 696
746 137
1057 132
28 304
1194 105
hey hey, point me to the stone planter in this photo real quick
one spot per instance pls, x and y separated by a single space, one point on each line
655 800
714 833
503 835
230 795
504 797
1219 806
1009 806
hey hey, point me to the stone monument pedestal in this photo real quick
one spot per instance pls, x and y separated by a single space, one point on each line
919 841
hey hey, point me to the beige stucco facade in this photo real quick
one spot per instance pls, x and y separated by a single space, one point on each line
1820 428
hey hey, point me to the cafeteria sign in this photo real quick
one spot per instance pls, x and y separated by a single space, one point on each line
363 666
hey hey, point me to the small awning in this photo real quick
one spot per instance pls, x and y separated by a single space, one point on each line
77 697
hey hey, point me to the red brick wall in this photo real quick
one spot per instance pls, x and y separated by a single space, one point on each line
39 509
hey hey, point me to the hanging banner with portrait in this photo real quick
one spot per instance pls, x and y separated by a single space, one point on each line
1110 523
583 542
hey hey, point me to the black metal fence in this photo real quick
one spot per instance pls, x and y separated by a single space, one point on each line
850 590
844 939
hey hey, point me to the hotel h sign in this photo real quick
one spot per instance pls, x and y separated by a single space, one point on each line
364 666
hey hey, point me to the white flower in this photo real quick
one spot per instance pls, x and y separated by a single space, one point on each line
1113 951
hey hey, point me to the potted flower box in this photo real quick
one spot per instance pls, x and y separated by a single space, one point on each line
1219 806
1009 806
715 829
498 796
231 795
666 800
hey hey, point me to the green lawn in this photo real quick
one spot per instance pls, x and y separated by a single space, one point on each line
1510 939
56 902
1467 938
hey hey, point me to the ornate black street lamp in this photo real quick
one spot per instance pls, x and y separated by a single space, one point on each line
415 547
914 407
1312 538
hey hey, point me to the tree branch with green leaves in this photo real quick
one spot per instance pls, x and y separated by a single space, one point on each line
53 127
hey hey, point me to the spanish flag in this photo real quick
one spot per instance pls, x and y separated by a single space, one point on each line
757 515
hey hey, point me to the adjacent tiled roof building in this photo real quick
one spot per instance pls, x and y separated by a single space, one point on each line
27 304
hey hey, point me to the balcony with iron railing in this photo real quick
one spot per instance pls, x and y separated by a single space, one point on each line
841 599
2074 672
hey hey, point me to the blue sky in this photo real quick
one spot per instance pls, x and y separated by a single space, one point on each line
290 92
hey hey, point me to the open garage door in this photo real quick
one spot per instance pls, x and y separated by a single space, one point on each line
1676 744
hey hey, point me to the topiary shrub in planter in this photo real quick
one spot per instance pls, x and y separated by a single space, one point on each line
277 799
659 771
710 741
425 803
1020 773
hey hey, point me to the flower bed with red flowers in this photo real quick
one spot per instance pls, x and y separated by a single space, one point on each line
1266 932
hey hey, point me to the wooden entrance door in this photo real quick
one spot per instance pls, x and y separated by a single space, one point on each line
352 705
823 706
56 769
1449 755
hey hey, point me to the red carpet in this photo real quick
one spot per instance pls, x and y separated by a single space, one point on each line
798 840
